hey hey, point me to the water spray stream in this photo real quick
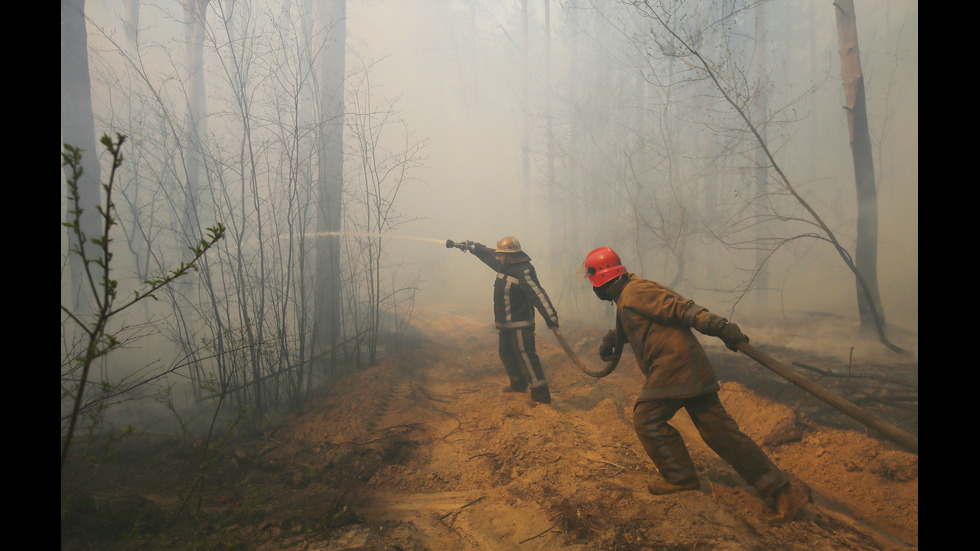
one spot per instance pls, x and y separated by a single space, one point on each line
357 234
375 235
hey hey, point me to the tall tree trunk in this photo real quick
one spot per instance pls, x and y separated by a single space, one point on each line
331 33
78 130
526 124
814 121
195 124
130 171
761 101
307 114
711 151
866 248
131 25
552 194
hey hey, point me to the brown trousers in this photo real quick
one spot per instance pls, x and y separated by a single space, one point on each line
720 432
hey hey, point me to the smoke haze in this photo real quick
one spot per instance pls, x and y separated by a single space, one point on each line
452 75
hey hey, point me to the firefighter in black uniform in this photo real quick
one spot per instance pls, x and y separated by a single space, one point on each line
516 293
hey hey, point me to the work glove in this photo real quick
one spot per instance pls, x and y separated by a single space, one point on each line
708 323
607 348
731 335
552 324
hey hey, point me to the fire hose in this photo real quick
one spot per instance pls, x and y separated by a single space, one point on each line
598 374
865 417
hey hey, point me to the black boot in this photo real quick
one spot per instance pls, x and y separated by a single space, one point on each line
541 394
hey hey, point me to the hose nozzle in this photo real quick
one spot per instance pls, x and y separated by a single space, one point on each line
461 245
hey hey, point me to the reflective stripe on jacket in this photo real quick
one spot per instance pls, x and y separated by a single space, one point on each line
516 292
667 351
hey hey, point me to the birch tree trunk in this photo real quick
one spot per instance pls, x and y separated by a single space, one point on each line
78 130
866 248
331 35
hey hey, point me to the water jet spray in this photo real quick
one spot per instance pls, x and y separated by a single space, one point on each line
374 235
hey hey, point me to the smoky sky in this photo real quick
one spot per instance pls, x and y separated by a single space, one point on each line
454 76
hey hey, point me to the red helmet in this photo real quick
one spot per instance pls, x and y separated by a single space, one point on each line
602 265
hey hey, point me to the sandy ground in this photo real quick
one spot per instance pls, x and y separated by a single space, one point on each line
425 452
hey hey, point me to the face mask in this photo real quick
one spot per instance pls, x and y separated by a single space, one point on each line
601 292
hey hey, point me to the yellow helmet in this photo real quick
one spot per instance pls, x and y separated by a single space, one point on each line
508 244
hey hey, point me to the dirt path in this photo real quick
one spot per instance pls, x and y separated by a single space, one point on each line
425 451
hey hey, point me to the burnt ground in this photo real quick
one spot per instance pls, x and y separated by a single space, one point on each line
424 452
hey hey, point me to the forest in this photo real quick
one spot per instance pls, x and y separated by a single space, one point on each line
256 196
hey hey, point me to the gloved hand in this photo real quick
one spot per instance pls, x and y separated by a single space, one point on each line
731 335
607 348
552 324
709 324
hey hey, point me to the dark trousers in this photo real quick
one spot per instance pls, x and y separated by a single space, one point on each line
520 359
720 432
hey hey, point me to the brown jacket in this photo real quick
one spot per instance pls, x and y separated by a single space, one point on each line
657 323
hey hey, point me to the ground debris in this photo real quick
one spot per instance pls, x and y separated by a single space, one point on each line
423 451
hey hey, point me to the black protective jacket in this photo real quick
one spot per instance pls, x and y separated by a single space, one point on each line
516 291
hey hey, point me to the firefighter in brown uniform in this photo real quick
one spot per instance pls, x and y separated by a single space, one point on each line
516 293
657 323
